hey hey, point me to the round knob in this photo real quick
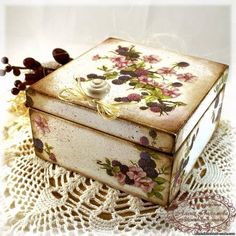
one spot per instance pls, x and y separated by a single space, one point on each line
97 88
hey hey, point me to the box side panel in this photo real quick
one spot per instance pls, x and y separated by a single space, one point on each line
120 128
186 129
191 149
121 164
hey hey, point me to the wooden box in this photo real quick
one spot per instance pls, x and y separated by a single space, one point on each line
133 117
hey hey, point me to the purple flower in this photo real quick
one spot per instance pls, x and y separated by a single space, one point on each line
41 124
152 59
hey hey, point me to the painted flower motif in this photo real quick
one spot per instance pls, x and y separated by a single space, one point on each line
120 62
41 124
151 59
135 173
146 184
174 92
166 71
52 157
141 72
120 177
96 57
187 77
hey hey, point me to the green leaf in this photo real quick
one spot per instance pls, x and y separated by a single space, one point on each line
158 188
111 75
160 180
108 162
158 195
116 169
151 194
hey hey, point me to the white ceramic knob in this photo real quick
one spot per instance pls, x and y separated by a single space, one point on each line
97 88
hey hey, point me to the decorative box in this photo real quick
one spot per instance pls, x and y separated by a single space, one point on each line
133 117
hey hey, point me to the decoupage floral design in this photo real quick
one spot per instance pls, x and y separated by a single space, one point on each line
180 172
44 147
41 124
151 140
144 174
155 88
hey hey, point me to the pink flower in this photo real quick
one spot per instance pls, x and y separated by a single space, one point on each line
143 79
146 184
120 178
120 62
52 156
151 59
135 172
41 124
166 71
187 77
96 57
174 92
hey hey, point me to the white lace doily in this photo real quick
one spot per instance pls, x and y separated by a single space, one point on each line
38 196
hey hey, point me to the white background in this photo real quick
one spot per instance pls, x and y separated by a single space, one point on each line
200 28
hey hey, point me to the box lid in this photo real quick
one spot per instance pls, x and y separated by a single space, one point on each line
155 96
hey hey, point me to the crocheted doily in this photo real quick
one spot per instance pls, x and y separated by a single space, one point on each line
37 196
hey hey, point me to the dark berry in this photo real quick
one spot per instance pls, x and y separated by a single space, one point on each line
182 64
134 97
21 86
144 140
153 133
127 72
92 76
124 169
132 84
177 84
155 109
143 108
124 78
38 144
167 108
145 155
118 99
31 78
16 71
31 63
151 173
17 83
61 56
115 163
125 99
15 91
117 81
8 68
4 60
152 104
129 181
2 72
145 93
101 77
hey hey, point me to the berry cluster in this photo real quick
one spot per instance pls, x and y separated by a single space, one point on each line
33 70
